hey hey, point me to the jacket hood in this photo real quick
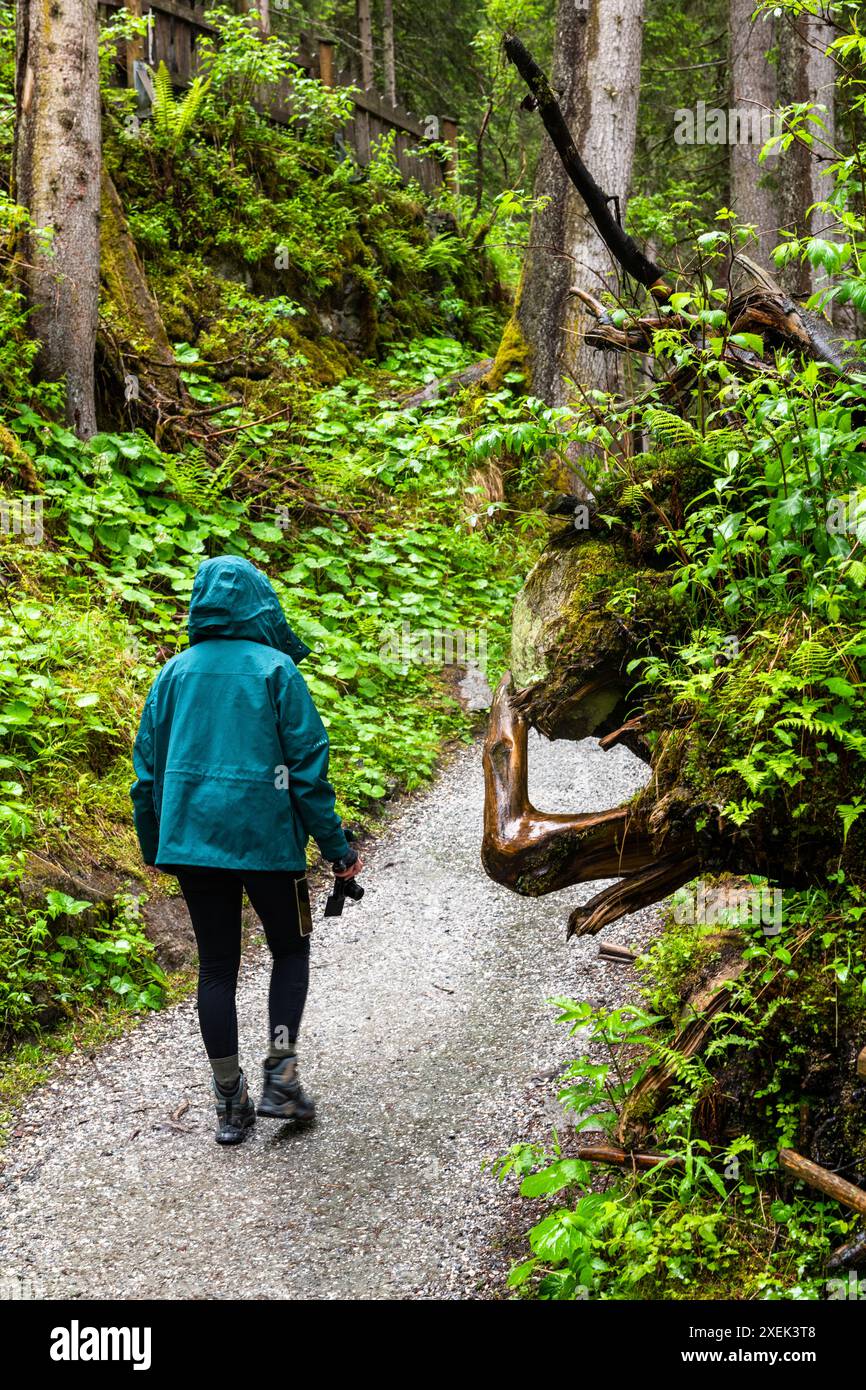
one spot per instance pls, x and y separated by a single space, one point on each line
231 598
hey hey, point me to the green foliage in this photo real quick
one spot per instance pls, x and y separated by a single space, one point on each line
65 956
393 557
711 1215
751 689
677 187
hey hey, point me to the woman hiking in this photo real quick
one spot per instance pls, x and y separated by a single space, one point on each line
232 766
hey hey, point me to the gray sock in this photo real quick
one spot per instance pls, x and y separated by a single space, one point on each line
226 1072
279 1054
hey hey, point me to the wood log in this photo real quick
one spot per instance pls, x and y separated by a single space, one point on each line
611 950
828 1183
645 1099
623 1158
537 852
758 305
701 1010
851 1255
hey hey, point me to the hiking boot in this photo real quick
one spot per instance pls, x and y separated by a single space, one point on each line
236 1113
282 1097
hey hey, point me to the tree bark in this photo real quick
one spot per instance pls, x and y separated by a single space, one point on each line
133 334
365 39
605 134
596 74
828 1183
821 90
389 54
795 181
753 90
57 164
547 269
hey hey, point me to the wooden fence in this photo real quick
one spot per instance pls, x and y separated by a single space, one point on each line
174 37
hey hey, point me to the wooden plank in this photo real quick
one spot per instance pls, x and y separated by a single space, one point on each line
326 62
362 135
377 105
194 17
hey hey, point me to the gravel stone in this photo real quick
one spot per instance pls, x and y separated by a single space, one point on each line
428 1043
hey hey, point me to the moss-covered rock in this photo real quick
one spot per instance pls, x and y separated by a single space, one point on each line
571 644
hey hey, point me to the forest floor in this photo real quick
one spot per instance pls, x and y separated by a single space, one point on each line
428 1043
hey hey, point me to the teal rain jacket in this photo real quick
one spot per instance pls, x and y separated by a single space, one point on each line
232 756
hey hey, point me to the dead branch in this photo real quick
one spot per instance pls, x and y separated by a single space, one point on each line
624 1158
828 1183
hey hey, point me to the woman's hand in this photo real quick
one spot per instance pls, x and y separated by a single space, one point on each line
353 869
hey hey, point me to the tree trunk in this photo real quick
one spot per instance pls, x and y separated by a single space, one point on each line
821 88
596 74
365 38
547 269
605 135
57 169
133 335
795 181
754 92
388 43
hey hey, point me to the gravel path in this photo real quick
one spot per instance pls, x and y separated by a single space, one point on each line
428 1044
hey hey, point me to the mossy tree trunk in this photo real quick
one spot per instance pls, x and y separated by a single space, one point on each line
57 165
132 332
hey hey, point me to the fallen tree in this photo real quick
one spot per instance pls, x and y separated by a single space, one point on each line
678 614
572 655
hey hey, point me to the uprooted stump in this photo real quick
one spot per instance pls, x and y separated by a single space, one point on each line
573 647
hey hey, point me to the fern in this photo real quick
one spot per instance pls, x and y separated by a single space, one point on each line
444 254
813 660
720 442
194 481
634 495
670 430
172 117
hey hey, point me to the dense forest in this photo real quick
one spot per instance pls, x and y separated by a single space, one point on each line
516 343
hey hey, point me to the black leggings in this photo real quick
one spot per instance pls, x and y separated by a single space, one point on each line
214 898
